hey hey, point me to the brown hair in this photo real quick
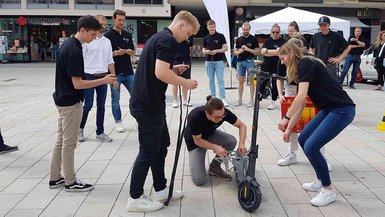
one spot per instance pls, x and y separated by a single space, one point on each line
295 54
118 12
378 39
210 22
275 26
213 104
295 25
189 18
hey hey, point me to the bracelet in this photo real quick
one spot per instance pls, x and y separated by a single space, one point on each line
287 118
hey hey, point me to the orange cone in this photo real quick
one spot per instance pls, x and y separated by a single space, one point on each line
382 125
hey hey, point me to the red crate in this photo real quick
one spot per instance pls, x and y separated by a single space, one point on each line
308 113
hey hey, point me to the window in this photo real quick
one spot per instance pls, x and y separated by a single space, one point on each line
47 3
143 2
10 4
94 4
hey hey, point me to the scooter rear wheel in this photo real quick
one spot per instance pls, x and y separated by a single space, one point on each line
251 202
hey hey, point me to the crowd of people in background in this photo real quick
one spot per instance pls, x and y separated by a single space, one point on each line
90 60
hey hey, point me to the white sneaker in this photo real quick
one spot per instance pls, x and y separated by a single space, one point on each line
225 103
81 137
314 186
103 137
272 105
186 103
119 127
324 197
162 195
143 204
175 104
238 102
288 159
250 104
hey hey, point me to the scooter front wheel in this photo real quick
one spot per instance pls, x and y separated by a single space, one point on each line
249 197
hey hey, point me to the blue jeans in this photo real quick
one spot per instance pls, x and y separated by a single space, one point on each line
53 52
215 68
127 81
356 61
243 66
324 127
154 139
101 94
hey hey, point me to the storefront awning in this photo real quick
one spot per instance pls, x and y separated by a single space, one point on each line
355 22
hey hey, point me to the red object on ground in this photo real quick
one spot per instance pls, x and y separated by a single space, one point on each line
308 113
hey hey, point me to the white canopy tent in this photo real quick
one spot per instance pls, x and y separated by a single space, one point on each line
307 22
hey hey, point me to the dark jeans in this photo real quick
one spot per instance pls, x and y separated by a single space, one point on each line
350 59
381 74
127 81
154 140
324 127
101 94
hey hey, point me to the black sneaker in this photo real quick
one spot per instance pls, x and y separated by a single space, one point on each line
352 86
6 148
79 186
56 184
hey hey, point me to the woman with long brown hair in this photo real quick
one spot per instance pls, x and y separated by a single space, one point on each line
336 111
379 54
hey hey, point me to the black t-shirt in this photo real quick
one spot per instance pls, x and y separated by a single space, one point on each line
69 64
270 63
357 50
214 42
324 90
330 45
198 124
148 92
281 68
251 42
183 52
124 41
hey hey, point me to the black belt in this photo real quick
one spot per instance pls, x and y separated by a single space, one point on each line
97 75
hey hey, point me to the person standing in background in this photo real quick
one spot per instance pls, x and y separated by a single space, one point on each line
123 49
183 57
357 45
379 54
214 47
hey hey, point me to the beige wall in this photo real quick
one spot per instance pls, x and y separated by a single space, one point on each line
131 11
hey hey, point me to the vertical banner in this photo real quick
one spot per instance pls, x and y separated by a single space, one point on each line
218 12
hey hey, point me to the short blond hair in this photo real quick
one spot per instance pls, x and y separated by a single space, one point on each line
189 18
100 17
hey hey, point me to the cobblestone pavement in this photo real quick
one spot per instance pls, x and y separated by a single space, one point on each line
28 118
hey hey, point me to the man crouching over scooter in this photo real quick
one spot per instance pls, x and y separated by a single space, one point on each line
202 134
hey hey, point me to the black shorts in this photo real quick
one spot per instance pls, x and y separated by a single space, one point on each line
186 74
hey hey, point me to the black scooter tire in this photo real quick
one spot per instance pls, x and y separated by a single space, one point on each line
254 200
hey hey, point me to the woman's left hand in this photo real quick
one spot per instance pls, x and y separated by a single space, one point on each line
286 135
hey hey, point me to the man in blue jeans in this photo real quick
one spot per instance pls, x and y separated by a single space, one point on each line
246 47
357 46
97 62
214 47
123 48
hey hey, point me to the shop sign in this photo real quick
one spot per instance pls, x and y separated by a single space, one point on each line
22 21
47 21
369 13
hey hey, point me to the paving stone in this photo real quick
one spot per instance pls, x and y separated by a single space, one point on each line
24 213
38 198
64 205
21 186
8 201
100 209
370 179
368 207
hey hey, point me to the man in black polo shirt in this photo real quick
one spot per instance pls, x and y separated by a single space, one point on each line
214 47
357 45
246 47
329 46
123 48
68 97
147 105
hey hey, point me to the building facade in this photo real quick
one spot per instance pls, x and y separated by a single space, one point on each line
29 28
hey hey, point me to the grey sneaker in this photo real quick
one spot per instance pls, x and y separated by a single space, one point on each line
250 104
81 137
238 102
103 137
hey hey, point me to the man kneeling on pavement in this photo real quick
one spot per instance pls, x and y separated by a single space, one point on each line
202 134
